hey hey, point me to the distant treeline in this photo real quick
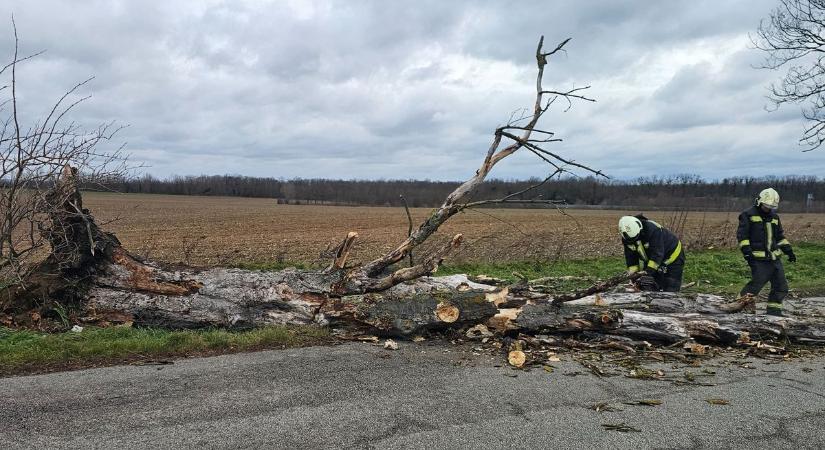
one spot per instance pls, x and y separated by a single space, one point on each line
683 192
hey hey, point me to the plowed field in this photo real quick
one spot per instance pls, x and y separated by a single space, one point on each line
230 230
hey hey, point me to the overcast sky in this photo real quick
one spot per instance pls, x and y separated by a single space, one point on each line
381 89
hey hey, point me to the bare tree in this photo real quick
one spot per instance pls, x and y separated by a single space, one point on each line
519 133
794 37
32 158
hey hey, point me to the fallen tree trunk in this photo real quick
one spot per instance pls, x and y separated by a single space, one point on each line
114 286
89 267
123 289
234 298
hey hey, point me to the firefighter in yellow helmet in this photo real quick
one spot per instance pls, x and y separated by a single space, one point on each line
762 241
651 248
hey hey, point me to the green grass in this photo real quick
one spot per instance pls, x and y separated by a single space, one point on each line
22 351
714 271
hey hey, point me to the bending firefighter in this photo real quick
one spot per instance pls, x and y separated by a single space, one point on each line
651 248
762 242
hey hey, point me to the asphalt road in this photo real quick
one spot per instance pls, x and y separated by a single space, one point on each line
424 395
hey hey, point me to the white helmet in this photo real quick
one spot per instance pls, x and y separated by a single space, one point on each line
768 197
630 227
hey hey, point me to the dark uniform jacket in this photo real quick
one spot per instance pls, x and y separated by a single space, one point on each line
761 232
655 247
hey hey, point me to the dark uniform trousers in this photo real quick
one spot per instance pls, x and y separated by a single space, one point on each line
761 273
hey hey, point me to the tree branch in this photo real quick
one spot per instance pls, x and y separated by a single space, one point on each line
494 155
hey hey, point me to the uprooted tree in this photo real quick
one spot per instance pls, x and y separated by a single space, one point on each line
88 267
32 157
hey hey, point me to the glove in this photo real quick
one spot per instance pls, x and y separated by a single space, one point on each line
637 279
647 283
747 253
791 255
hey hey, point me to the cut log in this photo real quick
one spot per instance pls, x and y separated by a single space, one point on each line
722 328
517 358
407 316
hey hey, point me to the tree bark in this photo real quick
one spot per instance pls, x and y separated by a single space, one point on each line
234 298
718 328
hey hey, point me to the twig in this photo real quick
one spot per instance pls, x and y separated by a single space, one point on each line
509 198
495 153
410 224
596 288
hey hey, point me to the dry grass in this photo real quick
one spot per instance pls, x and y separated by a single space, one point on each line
230 230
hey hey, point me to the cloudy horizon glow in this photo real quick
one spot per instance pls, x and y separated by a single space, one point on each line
411 90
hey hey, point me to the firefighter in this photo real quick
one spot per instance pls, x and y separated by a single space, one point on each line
651 248
762 241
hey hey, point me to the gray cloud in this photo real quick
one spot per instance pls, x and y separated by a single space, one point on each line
410 90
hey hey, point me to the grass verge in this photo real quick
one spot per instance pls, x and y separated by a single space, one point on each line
26 352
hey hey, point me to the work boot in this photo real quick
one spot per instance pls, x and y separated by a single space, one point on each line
774 311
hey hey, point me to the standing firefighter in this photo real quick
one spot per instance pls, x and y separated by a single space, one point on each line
762 242
651 248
